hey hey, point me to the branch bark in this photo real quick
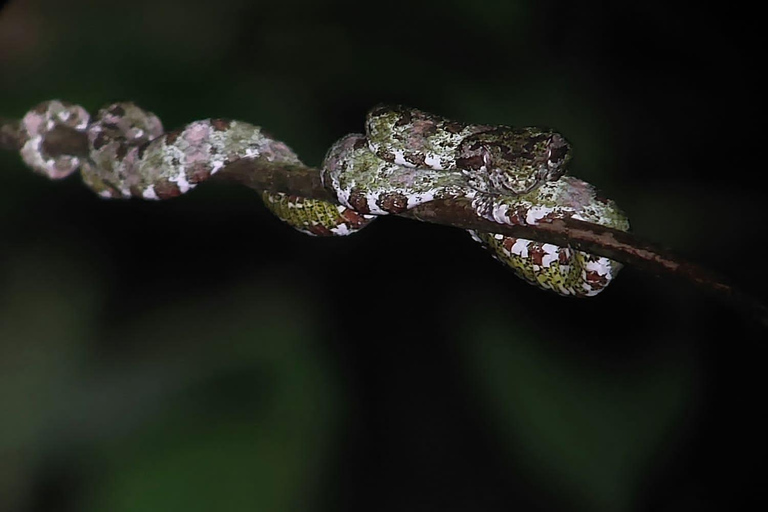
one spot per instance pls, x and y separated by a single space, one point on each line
305 182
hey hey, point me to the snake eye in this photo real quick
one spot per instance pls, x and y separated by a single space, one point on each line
558 155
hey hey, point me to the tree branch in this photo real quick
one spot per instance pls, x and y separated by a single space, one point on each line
592 238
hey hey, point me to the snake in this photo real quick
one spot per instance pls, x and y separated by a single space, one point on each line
406 157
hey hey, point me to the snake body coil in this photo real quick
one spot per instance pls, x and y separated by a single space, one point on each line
406 157
513 176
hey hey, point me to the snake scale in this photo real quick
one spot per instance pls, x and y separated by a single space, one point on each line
406 157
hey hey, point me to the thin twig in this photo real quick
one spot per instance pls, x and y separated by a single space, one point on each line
592 238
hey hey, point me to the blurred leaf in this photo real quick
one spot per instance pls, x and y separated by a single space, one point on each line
250 429
47 304
588 429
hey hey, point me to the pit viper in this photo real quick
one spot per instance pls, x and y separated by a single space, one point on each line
405 158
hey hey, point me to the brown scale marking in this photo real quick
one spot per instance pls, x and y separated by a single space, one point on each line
319 230
360 143
198 173
384 155
420 129
529 146
378 109
142 149
508 242
472 144
552 216
117 110
135 190
220 124
100 141
405 117
171 137
417 159
453 127
166 189
359 202
470 162
394 203
353 218
600 198
562 256
122 150
536 254
517 216
595 280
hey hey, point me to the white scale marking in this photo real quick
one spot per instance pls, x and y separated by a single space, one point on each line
341 229
216 166
432 160
251 152
520 247
417 199
550 254
400 159
501 214
149 193
536 213
181 181
602 266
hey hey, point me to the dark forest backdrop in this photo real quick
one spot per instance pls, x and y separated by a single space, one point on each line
197 354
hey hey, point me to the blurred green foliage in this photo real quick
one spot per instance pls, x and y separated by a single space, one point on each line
583 426
225 402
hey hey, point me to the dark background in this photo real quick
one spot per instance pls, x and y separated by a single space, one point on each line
197 354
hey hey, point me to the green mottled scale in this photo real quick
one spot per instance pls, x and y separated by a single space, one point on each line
130 155
495 159
315 217
544 265
561 269
513 176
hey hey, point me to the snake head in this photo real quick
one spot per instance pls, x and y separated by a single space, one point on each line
513 161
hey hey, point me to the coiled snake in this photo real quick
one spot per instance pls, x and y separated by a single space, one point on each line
405 158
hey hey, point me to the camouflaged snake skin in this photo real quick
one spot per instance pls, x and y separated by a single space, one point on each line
131 156
406 157
513 176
